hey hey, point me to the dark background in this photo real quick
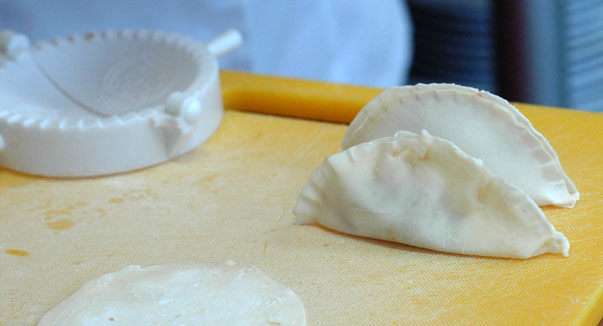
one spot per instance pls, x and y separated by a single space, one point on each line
546 52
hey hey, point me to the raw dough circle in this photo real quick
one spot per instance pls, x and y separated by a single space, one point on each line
203 294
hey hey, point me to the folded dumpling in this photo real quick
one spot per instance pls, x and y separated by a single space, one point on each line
483 125
424 191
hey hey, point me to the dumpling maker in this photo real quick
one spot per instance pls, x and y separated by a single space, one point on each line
106 102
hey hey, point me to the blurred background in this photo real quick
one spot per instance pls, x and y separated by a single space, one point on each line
546 52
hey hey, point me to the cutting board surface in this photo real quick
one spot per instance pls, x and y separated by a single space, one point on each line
232 197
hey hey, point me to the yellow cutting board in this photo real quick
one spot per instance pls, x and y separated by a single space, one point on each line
231 198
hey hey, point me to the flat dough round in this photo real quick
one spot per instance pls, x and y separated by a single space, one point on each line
203 294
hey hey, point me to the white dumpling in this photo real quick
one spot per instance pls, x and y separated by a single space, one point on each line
202 294
424 191
483 125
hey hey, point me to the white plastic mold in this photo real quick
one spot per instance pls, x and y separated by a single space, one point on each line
106 102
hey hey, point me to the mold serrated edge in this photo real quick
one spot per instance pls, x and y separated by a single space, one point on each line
126 33
113 120
74 38
58 41
130 116
143 34
42 45
64 124
94 123
30 122
14 118
109 34
48 124
170 39
81 124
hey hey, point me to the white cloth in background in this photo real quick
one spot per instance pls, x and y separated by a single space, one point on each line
359 42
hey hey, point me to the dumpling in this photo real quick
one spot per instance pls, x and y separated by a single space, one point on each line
424 191
483 125
202 294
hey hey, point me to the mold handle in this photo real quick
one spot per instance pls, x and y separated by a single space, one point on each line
224 43
13 44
